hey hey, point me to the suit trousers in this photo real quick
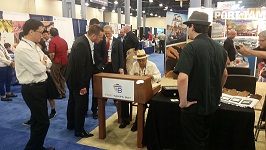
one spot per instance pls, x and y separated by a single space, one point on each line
35 96
129 60
196 129
76 109
94 103
57 73
5 79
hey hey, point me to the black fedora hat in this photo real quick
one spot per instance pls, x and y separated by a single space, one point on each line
199 18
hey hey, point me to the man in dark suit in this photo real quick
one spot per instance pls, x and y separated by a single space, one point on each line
99 56
115 60
121 35
78 75
130 47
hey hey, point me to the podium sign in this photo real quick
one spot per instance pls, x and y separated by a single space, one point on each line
118 89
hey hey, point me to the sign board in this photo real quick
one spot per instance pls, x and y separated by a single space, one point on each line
226 5
118 89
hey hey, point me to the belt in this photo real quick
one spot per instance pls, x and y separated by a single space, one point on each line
35 84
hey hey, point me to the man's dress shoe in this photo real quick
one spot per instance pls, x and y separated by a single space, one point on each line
83 134
124 124
95 115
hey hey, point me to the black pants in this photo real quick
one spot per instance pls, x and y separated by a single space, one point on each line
76 109
125 111
35 96
196 130
162 46
94 103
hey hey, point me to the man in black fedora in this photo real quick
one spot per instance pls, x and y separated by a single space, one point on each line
201 76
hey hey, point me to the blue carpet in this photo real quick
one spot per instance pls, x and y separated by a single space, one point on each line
14 135
18 140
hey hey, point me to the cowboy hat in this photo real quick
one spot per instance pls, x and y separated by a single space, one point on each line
141 54
199 18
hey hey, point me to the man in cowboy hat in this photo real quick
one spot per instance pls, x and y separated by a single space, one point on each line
201 76
142 67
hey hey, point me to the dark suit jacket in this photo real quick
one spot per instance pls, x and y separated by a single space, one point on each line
230 48
100 54
80 66
117 55
131 41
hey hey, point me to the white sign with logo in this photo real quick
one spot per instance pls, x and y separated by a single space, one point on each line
118 89
226 5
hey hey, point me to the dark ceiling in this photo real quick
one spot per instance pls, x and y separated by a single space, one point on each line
154 7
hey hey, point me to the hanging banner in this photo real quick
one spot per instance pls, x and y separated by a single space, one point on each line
101 2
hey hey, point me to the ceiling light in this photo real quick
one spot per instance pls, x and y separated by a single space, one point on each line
239 2
113 11
103 8
171 9
122 12
87 4
130 14
161 5
143 11
166 7
150 1
116 2
155 15
129 6
136 9
151 14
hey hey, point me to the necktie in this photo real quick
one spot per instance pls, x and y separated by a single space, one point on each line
109 51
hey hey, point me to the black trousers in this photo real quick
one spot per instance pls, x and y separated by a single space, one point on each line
196 129
125 111
94 103
35 96
76 109
162 46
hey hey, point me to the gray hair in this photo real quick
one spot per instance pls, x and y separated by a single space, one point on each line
108 26
263 33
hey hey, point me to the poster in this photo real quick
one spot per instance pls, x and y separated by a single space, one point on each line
176 35
176 31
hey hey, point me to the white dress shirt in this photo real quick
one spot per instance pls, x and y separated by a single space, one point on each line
29 68
151 68
92 48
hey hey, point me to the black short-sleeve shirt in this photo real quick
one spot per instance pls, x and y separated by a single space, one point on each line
203 60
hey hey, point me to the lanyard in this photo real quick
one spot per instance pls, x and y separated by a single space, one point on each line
32 47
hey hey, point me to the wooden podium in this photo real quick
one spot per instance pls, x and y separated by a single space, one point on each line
143 92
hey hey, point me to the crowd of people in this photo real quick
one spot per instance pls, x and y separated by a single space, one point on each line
43 54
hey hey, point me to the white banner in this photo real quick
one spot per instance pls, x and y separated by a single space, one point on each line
65 29
118 89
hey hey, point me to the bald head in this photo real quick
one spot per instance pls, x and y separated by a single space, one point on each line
126 28
231 34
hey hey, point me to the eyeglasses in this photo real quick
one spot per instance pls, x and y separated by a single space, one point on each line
39 31
261 40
